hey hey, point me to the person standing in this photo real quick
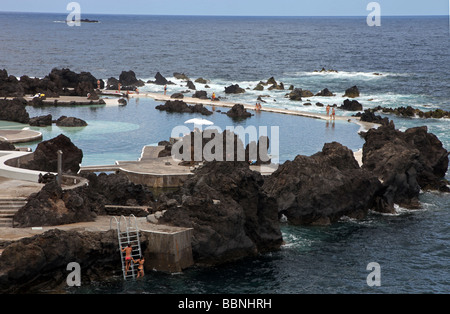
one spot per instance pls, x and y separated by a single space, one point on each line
333 114
140 263
328 111
165 89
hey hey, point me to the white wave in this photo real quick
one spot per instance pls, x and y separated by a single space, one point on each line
348 74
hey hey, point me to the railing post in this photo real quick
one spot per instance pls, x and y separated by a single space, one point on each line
59 177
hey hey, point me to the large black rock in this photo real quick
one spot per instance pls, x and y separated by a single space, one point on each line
181 107
14 110
322 188
351 105
45 157
231 215
405 162
234 89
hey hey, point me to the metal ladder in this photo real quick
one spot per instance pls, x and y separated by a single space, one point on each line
130 235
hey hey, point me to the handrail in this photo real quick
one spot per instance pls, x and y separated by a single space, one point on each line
110 222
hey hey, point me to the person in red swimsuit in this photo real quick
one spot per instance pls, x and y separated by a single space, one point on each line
127 251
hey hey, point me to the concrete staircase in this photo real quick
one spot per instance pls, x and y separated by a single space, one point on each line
8 207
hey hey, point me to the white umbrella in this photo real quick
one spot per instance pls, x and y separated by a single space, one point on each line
199 122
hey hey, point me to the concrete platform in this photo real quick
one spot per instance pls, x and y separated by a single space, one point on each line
169 247
20 136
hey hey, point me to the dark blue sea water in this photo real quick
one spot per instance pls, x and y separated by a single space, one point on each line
411 53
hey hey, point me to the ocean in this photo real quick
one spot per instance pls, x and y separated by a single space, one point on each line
403 62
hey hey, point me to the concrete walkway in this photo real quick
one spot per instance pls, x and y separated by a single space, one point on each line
208 102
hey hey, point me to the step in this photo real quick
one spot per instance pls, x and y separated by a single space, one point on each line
5 207
16 199
5 223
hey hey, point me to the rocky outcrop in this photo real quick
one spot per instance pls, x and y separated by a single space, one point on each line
369 116
57 83
323 70
52 206
322 188
70 122
351 105
231 216
325 92
117 189
161 80
352 92
234 89
216 146
31 264
298 93
41 120
81 83
412 112
190 85
238 112
259 87
6 145
180 76
181 107
405 162
128 78
177 96
200 94
274 84
127 81
45 156
201 80
9 85
13 110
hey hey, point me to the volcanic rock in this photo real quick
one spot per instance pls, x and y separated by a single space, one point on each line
325 92
6 145
181 107
180 76
238 112
70 122
405 162
190 85
231 216
351 105
41 120
45 156
13 110
369 116
234 89
177 96
128 78
352 92
29 264
161 80
200 94
322 188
